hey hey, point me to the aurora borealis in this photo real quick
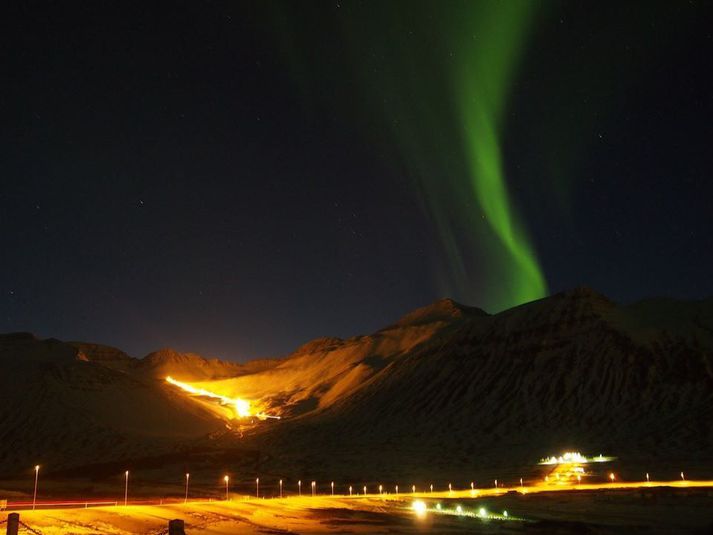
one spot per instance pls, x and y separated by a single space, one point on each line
443 105
238 178
489 59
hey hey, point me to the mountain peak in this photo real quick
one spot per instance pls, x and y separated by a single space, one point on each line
585 295
445 309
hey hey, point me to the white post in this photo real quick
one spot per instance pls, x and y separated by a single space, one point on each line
34 494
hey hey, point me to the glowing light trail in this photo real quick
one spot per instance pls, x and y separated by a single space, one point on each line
241 407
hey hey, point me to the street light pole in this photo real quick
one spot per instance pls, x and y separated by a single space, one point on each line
299 488
34 494
280 488
227 481
257 487
187 477
126 487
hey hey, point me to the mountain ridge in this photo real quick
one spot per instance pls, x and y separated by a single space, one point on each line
442 385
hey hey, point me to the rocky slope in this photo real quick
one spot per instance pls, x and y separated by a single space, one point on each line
570 371
446 391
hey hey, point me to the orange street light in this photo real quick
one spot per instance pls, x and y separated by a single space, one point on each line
299 488
350 490
34 494
380 489
332 485
364 490
280 488
187 478
227 483
314 487
450 488
126 487
257 487
413 489
396 488
611 476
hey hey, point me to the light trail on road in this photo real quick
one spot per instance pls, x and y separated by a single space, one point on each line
307 500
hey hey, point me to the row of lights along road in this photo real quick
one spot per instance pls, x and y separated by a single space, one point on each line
313 485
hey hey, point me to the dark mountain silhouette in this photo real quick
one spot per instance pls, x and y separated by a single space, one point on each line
447 390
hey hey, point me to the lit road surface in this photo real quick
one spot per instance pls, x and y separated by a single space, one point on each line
442 512
538 488
308 500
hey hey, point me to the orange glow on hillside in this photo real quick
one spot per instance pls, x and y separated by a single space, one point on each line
241 407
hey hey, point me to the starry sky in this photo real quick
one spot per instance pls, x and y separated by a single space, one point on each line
236 178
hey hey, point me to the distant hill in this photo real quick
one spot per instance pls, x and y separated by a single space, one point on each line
445 390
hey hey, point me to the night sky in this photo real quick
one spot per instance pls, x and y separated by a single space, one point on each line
234 179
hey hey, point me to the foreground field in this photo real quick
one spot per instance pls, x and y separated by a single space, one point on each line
656 509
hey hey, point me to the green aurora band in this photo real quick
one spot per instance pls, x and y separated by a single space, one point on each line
482 83
427 85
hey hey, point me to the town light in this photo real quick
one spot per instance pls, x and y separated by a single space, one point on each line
419 508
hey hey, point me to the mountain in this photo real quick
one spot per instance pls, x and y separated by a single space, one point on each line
447 391
67 404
